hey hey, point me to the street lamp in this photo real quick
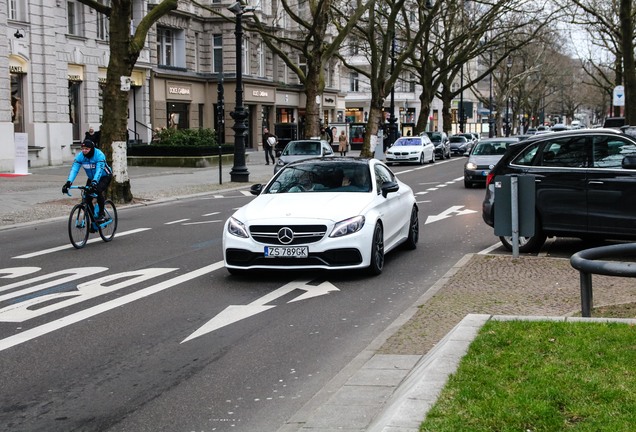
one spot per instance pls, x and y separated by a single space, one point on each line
392 119
461 99
239 172
491 129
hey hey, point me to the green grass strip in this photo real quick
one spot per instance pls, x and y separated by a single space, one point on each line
526 376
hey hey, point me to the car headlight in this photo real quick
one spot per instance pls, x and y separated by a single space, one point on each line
237 228
471 166
347 226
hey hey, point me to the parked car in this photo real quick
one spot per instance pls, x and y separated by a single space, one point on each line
415 149
325 213
559 127
459 145
441 143
614 122
585 183
531 131
472 139
483 158
303 149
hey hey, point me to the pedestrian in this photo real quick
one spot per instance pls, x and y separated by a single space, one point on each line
323 135
329 135
97 170
342 143
269 143
93 136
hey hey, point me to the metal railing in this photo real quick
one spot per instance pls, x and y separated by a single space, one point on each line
589 261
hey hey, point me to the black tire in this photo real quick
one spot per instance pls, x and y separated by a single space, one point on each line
377 251
78 224
448 154
414 230
421 161
108 228
467 184
432 158
527 244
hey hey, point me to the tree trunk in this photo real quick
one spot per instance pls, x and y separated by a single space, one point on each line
629 66
376 117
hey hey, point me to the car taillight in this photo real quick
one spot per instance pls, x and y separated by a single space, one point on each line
489 178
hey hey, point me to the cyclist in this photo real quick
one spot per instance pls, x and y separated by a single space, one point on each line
97 170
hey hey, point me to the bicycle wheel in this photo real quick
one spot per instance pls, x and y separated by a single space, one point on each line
108 228
78 223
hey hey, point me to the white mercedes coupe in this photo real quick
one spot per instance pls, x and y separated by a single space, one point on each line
334 214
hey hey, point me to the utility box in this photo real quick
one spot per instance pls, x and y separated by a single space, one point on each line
504 205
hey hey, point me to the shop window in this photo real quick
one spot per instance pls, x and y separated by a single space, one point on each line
74 15
74 107
17 105
217 53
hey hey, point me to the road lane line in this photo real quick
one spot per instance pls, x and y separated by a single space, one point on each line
35 332
69 246
176 221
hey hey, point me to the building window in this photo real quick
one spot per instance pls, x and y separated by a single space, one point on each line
102 24
217 53
16 10
246 56
354 82
165 50
196 52
75 22
302 63
261 59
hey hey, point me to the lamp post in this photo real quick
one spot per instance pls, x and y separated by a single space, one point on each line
491 129
239 172
461 100
392 119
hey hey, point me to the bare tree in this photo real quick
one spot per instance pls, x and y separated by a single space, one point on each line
125 47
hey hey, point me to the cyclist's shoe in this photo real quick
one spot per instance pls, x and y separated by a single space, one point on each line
92 230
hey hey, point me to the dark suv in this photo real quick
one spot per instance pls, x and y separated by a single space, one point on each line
585 185
441 143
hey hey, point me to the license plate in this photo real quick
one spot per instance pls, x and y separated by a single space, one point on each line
286 252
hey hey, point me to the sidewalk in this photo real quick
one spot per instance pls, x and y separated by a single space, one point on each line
39 196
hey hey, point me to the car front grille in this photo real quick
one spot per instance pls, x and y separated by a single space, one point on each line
303 234
330 258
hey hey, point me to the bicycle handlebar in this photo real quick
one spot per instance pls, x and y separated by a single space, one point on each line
85 188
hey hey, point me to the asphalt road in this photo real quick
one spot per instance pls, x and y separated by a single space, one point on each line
141 334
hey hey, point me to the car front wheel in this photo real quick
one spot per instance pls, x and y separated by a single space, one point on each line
414 230
377 251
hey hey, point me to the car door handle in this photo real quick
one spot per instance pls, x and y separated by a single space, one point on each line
595 182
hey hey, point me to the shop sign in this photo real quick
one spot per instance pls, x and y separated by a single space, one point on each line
182 91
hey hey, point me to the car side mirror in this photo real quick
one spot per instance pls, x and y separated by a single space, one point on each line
256 189
629 162
388 187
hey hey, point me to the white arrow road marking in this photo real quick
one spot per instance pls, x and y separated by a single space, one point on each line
235 313
35 332
20 311
59 248
14 272
452 211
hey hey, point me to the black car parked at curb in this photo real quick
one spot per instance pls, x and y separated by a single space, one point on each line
585 185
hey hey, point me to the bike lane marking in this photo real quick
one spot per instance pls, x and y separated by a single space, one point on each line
59 248
35 332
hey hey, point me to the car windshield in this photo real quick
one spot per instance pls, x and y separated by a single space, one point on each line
434 136
302 148
331 177
491 148
457 139
407 142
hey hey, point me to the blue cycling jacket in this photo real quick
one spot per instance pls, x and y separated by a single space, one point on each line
95 167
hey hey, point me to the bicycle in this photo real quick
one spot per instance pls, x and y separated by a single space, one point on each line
81 221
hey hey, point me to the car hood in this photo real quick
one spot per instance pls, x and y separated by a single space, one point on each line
485 159
458 144
293 158
285 207
406 149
